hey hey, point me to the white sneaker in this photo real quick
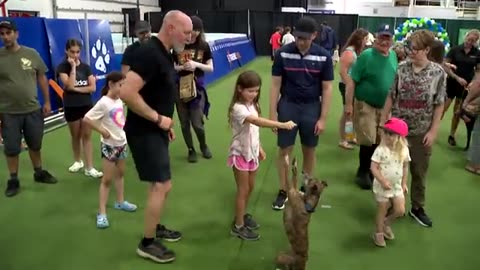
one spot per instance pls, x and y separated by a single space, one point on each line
76 167
93 173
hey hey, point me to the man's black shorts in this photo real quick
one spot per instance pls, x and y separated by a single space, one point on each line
150 155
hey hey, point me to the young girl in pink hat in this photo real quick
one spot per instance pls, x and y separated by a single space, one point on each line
390 170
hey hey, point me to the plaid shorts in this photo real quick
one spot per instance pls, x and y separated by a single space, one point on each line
113 153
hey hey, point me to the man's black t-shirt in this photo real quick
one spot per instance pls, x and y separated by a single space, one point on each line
129 52
198 52
72 98
154 64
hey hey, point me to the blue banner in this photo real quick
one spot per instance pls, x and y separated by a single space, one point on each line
102 53
229 54
58 32
32 33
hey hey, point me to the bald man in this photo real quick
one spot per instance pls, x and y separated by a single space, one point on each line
149 92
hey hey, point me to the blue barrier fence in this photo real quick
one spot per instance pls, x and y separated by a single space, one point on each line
49 36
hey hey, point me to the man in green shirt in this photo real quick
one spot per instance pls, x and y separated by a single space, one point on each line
21 114
371 79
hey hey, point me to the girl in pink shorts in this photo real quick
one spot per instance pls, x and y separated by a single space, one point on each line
245 149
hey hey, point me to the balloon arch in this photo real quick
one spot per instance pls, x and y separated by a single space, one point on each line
405 29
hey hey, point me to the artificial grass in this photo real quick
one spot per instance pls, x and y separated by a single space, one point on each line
53 227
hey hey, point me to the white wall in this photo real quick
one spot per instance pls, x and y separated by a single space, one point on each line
97 9
43 7
384 8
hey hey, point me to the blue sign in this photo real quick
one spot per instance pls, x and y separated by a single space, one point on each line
102 53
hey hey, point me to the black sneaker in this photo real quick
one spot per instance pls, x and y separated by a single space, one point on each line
421 217
280 201
192 155
244 233
250 222
44 177
452 141
168 235
156 252
206 152
364 181
13 188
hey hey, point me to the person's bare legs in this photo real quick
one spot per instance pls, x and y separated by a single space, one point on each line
455 118
283 163
308 159
86 139
448 102
157 193
76 137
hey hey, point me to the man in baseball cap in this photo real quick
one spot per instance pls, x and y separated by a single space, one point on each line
143 31
8 24
385 30
303 73
305 28
366 95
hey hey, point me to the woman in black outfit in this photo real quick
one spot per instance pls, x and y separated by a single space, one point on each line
196 59
466 58
78 85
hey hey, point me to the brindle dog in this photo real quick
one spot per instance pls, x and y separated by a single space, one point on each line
296 217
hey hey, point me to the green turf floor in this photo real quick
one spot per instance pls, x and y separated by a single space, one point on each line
53 227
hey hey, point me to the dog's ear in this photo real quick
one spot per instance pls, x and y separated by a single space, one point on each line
324 183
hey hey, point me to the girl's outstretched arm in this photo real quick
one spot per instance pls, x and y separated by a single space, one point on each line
266 123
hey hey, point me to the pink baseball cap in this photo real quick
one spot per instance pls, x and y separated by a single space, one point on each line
397 126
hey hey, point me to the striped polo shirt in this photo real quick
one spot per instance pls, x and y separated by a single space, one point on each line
302 75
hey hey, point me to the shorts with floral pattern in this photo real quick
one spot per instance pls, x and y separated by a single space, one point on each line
113 153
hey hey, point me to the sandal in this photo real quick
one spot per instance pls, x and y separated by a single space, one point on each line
473 170
345 145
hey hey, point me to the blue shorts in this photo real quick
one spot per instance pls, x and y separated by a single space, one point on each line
305 115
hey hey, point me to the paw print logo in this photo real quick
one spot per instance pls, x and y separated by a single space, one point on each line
101 56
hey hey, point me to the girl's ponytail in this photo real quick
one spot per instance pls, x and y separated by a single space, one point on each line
105 89
114 76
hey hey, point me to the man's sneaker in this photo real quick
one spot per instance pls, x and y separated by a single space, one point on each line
76 167
280 201
13 188
192 155
93 173
250 222
168 235
421 217
364 181
156 252
44 177
244 233
206 152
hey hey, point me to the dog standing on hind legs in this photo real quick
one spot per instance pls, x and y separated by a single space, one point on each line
296 217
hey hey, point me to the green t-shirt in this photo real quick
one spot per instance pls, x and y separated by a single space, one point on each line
374 74
18 80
